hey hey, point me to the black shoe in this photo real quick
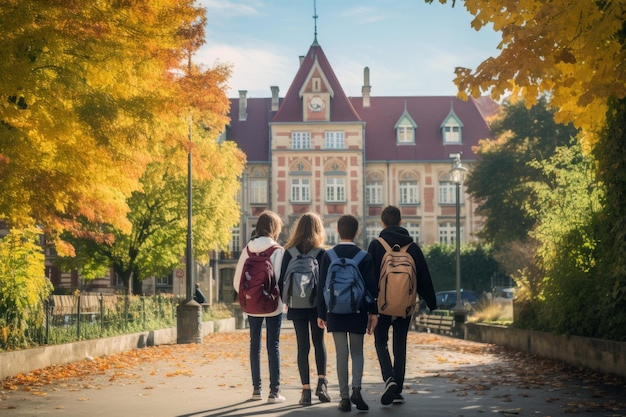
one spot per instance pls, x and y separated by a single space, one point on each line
388 393
305 399
344 405
357 399
322 390
398 399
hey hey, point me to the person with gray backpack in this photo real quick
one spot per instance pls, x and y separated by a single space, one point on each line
299 285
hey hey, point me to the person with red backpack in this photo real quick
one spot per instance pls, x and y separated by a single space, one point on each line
299 283
406 261
256 282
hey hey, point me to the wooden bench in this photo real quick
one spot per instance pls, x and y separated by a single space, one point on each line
436 322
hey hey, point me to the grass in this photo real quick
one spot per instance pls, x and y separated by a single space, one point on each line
493 313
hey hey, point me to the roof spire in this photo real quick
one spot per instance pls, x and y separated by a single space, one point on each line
315 22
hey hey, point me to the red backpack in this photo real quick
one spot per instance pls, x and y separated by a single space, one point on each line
258 292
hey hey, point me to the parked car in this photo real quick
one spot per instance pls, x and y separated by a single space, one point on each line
446 300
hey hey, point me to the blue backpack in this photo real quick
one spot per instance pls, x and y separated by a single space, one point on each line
344 289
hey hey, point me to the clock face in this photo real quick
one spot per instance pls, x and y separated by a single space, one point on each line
316 103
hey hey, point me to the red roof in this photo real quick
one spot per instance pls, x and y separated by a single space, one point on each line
252 135
428 113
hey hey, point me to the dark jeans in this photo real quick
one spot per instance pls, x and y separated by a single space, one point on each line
272 325
381 339
301 327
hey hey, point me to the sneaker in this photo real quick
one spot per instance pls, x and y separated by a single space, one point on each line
357 399
275 397
322 390
398 399
305 399
256 395
390 390
344 405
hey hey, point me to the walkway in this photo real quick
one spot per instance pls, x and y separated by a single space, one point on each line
446 377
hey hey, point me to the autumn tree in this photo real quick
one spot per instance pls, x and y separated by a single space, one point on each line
23 286
82 86
574 52
155 243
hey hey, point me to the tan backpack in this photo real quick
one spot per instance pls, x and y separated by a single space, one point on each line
397 285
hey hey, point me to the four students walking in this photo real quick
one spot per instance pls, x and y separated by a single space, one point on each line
334 289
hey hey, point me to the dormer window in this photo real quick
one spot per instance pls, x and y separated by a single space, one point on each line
405 134
451 129
405 129
452 133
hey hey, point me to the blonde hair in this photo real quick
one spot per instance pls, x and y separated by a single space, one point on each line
307 233
268 224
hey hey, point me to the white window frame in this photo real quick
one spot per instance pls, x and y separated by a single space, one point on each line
374 192
300 190
373 232
334 140
162 281
258 191
335 190
301 140
235 243
332 236
452 132
405 133
447 233
413 229
447 193
409 192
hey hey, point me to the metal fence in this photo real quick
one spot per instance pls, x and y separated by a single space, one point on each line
68 318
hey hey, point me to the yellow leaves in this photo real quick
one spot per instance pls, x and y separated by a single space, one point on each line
570 50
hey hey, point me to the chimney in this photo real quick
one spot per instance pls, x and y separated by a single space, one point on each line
301 59
365 90
274 97
243 105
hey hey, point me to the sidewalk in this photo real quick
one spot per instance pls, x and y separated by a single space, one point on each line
445 377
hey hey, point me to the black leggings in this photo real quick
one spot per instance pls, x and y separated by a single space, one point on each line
302 326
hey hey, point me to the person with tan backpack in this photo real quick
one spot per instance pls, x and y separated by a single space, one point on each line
403 275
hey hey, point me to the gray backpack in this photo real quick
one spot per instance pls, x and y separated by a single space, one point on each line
301 279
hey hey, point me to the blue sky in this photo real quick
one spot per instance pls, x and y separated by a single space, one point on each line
410 47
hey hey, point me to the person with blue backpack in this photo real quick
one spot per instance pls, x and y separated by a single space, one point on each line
299 283
347 308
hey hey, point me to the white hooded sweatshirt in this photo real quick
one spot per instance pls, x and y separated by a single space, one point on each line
259 245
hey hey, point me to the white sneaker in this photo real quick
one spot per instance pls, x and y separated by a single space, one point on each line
256 395
275 397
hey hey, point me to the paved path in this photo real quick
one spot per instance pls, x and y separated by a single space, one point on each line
446 377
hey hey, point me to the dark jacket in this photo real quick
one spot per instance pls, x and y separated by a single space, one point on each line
356 322
298 313
399 235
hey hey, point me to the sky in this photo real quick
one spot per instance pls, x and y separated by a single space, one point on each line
410 47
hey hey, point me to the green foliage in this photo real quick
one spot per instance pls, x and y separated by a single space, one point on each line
23 286
523 135
479 270
610 152
567 208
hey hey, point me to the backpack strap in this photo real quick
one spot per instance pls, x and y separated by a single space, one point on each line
294 252
388 248
332 255
359 256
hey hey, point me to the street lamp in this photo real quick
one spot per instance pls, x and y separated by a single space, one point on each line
189 313
457 176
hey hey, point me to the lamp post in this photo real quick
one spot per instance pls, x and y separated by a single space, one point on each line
189 313
457 176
